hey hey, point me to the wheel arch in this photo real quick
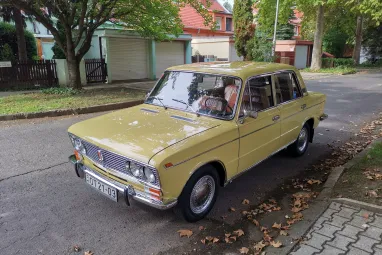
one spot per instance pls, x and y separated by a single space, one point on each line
310 122
220 168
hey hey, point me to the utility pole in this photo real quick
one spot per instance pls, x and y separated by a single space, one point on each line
274 32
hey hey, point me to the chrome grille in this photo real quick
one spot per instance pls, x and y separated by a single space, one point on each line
110 160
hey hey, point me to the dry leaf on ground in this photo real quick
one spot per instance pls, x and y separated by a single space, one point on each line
233 238
245 202
244 250
313 181
203 241
227 240
88 253
256 223
283 233
201 228
371 193
259 246
76 248
239 232
215 240
232 209
185 232
209 238
275 225
227 235
276 244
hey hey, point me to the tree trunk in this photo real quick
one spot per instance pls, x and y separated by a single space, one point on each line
21 45
73 63
318 35
358 41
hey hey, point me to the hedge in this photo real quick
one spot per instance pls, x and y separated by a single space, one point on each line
8 36
336 62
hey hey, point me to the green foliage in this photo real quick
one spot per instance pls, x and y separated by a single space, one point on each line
336 70
58 53
369 8
6 54
372 43
61 91
285 32
261 49
8 36
243 23
335 41
337 62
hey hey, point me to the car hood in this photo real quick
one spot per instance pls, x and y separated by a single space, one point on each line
142 131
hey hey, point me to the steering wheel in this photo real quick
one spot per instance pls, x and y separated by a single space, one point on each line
212 102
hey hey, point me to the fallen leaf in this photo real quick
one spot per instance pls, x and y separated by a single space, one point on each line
366 215
185 232
201 228
260 245
209 238
312 181
372 193
203 241
244 250
233 238
232 209
88 253
276 244
215 240
275 225
267 237
256 223
245 202
262 229
283 233
227 240
239 232
227 235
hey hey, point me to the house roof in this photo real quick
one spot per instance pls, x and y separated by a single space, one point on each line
191 18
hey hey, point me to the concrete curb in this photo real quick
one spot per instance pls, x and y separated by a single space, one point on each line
355 203
75 111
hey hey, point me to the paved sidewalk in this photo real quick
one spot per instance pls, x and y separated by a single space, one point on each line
344 229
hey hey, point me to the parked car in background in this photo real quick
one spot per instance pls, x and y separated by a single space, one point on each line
200 127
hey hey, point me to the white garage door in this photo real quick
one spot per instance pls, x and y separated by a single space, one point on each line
168 54
128 58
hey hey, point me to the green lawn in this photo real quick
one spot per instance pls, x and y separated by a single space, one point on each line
334 70
37 102
363 181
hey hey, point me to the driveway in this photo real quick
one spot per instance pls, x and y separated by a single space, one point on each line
46 209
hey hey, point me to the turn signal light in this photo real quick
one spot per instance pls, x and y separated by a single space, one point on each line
168 165
77 155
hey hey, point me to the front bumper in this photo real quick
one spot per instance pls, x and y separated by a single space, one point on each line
128 191
324 116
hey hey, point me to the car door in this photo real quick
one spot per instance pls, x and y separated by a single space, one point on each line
259 137
291 104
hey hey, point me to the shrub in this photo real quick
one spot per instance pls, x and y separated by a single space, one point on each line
6 54
8 36
343 62
61 91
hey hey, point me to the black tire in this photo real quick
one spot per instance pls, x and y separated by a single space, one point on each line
296 149
183 207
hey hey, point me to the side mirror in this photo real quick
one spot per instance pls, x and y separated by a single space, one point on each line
249 114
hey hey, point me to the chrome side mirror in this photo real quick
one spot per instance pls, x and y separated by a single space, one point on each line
248 114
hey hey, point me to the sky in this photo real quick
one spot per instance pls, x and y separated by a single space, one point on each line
222 1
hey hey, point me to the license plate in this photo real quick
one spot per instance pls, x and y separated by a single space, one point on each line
102 187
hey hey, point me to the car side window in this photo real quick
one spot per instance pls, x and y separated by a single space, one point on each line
257 94
286 87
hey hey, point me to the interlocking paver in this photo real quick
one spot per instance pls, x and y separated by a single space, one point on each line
377 252
346 212
317 240
373 232
318 224
356 251
329 212
305 250
350 231
377 221
360 222
328 230
379 246
365 213
365 243
329 250
341 242
335 206
337 221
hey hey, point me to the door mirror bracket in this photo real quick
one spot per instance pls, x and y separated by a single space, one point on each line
248 114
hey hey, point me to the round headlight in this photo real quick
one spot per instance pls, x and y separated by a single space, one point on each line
136 170
83 150
77 144
149 174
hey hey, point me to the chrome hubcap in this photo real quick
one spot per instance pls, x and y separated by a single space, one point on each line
302 139
202 194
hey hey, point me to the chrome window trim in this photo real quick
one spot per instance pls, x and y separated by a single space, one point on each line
214 74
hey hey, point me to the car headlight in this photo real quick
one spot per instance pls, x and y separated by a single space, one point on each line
136 170
78 145
149 174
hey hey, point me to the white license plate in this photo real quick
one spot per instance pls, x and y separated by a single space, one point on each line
102 187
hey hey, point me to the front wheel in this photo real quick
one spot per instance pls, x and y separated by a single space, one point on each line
299 147
199 194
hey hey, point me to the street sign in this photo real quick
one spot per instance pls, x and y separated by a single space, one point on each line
5 64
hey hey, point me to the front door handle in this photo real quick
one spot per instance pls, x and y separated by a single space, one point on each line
303 106
276 118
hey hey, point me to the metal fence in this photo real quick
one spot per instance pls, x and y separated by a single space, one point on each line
96 70
29 74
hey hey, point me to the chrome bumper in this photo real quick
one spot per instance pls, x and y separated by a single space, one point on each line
127 191
324 116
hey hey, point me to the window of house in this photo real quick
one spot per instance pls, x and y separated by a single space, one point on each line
218 23
228 24
257 94
295 30
286 87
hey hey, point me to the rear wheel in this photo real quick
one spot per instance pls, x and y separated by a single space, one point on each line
299 147
199 194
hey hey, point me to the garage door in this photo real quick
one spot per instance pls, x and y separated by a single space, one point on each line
168 54
128 58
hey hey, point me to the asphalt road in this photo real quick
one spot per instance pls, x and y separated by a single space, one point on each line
46 209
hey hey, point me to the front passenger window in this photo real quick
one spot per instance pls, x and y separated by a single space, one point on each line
286 87
257 94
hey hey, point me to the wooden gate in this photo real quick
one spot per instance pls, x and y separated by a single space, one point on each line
96 70
29 74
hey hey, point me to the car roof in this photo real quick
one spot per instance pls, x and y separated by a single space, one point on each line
242 69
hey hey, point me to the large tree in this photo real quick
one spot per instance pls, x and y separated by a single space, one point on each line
8 14
244 29
153 19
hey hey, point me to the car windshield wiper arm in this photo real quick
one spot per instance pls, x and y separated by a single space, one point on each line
160 100
188 105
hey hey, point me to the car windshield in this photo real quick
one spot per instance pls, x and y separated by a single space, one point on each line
205 94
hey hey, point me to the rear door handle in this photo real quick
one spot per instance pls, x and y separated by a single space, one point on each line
275 118
303 106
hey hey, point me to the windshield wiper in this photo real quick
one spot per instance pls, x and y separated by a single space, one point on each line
160 100
188 105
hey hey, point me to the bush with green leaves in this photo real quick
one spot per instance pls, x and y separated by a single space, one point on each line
61 91
6 53
8 36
